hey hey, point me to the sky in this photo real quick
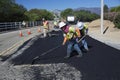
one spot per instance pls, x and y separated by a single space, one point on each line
64 4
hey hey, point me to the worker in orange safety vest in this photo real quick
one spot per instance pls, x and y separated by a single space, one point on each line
45 27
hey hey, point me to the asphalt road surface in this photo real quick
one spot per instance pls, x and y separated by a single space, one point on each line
9 39
43 59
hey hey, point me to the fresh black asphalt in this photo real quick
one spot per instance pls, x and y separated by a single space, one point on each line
101 62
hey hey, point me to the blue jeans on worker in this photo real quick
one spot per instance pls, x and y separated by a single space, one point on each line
73 46
84 43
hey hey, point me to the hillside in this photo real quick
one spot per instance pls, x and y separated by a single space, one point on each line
92 10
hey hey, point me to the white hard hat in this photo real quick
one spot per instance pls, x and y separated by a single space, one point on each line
80 25
61 24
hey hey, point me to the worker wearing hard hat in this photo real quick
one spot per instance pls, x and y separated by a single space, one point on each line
83 30
45 26
70 34
55 24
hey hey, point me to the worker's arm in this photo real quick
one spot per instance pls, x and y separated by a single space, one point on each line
78 32
64 41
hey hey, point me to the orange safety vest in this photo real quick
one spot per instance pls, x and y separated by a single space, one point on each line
45 24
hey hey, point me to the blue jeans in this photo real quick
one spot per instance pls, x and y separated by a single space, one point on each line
84 43
73 46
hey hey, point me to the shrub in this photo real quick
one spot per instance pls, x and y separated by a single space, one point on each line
110 16
117 21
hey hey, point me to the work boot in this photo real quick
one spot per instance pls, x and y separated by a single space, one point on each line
79 55
66 57
87 49
49 35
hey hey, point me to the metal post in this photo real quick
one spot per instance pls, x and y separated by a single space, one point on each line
19 25
33 23
102 6
15 25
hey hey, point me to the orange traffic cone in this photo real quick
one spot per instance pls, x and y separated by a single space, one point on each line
39 30
20 33
28 32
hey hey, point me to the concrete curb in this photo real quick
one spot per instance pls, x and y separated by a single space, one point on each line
109 43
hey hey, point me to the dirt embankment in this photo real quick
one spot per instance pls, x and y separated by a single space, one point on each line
110 32
96 23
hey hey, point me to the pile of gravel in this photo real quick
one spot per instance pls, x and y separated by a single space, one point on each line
96 23
60 71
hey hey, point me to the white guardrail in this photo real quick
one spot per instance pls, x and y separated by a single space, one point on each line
5 26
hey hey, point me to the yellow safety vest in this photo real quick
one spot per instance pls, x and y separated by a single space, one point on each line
86 27
55 23
71 33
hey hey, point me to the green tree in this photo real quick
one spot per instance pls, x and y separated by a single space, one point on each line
67 12
47 14
34 14
117 21
86 15
10 11
38 14
106 9
5 6
17 13
115 9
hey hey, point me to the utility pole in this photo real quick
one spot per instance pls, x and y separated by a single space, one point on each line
102 6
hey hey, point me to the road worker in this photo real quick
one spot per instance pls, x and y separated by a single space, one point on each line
70 34
55 24
83 30
24 24
46 27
